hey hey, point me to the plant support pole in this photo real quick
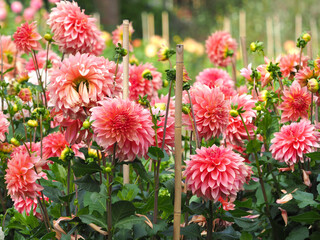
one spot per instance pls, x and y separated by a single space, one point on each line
178 143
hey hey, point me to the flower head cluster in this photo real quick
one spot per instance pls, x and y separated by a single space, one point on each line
4 126
289 64
117 35
26 38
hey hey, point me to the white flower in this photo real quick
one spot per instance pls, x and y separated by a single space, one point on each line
1 234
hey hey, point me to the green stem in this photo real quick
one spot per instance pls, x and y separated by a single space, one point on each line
245 127
194 121
209 222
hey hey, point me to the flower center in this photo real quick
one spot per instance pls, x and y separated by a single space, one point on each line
300 104
76 83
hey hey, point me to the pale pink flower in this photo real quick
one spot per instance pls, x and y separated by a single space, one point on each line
293 141
216 172
265 75
27 204
26 38
247 72
21 178
296 102
242 90
217 47
289 64
214 77
124 123
304 74
16 7
141 86
81 81
3 13
36 4
41 60
55 143
10 54
117 35
73 30
29 13
211 111
25 95
164 100
4 126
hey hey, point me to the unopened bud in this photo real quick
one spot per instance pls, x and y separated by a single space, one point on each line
165 83
15 142
186 109
253 46
66 154
32 123
313 85
15 108
48 37
86 124
258 108
306 37
234 113
146 74
161 106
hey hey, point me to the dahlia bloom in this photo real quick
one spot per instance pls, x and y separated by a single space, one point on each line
124 123
289 64
216 172
293 141
27 204
141 86
73 30
304 74
265 75
16 7
26 38
29 13
41 57
4 126
236 131
211 111
81 81
36 4
25 94
21 178
218 47
214 77
247 72
55 143
9 53
295 103
164 100
117 35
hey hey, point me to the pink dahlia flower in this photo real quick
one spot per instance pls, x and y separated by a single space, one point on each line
3 13
289 64
214 77
9 52
81 81
26 38
41 60
16 7
27 204
4 126
216 172
55 143
236 131
218 46
36 4
25 95
296 102
247 72
164 100
304 74
211 111
29 13
73 30
117 35
21 178
124 123
293 141
141 86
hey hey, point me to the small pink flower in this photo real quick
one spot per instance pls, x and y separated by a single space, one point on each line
289 64
25 94
216 172
16 7
124 123
3 13
26 38
4 126
117 35
27 204
304 74
218 47
29 13
247 72
296 102
36 4
293 141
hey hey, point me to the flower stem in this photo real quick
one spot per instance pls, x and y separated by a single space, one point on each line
245 126
166 117
209 222
311 107
194 121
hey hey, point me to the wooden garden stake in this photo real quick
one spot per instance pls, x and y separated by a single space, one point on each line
298 25
144 20
309 46
314 34
165 27
126 167
277 34
226 24
270 37
178 143
242 27
150 25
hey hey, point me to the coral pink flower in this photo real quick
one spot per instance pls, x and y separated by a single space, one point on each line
293 141
4 126
265 75
55 143
117 35
26 38
36 4
140 85
81 81
216 172
21 178
164 100
295 103
27 205
16 7
3 13
125 123
29 13
242 90
218 47
226 205
73 30
41 60
214 77
289 64
211 111
247 72
304 74
236 131
25 94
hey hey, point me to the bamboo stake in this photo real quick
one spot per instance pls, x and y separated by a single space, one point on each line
126 167
309 46
270 37
178 143
243 41
150 25
277 34
226 24
242 32
298 25
165 27
144 19
314 34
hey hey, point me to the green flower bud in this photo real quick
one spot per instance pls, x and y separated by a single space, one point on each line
86 124
234 113
48 37
186 109
67 154
15 108
15 142
32 123
306 37
165 83
258 108
313 85
253 46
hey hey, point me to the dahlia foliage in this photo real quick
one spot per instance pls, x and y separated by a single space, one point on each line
88 150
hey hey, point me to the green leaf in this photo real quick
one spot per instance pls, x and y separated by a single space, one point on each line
259 194
139 231
60 173
67 198
313 155
198 208
170 186
304 199
155 153
81 169
50 235
298 234
127 223
245 204
254 146
228 233
192 231
128 192
247 224
87 219
123 210
95 201
246 236
307 217
137 165
88 183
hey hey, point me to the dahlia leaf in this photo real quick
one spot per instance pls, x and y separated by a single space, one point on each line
137 165
93 219
88 183
128 192
313 155
127 223
191 230
155 153
81 169
298 234
307 217
304 199
95 201
254 146
246 236
228 233
124 209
